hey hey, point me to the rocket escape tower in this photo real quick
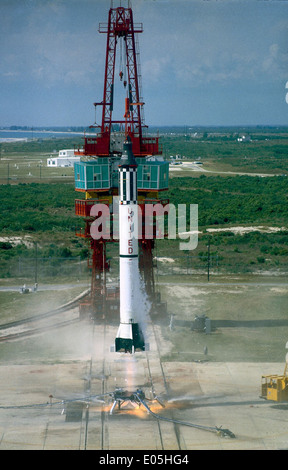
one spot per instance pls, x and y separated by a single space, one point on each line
96 175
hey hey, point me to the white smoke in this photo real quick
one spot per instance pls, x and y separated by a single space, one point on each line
143 304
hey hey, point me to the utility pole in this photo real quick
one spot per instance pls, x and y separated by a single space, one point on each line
36 263
208 260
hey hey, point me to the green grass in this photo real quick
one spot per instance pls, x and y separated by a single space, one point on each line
26 162
266 153
15 306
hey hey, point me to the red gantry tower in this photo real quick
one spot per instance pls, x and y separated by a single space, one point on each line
96 175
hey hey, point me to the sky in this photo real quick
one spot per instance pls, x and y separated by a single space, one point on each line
203 62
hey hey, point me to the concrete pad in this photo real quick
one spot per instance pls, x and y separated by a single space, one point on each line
211 394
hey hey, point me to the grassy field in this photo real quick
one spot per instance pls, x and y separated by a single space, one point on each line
264 152
248 318
15 306
26 162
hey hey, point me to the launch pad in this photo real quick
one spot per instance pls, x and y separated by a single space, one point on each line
74 365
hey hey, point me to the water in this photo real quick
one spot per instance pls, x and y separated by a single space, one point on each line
17 135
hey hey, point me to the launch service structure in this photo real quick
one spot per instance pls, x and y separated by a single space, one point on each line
115 154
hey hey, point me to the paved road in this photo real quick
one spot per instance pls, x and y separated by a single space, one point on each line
43 287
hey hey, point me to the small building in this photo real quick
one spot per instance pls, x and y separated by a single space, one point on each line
66 158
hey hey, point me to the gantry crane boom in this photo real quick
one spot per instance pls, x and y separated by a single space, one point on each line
120 30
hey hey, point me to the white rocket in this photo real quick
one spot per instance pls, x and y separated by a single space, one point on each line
129 336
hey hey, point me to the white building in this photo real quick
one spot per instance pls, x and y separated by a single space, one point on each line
65 158
244 138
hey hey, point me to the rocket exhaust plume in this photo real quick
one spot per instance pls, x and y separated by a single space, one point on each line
129 336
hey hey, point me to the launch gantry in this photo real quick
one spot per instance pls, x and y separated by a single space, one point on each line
96 175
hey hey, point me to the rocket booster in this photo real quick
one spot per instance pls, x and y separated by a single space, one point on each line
129 336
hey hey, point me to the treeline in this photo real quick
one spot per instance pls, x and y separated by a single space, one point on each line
239 199
221 201
230 200
37 208
46 212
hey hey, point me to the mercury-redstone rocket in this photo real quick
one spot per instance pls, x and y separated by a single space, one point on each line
129 336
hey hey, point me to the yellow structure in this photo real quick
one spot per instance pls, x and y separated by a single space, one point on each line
275 387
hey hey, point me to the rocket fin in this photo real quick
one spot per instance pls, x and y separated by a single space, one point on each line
129 338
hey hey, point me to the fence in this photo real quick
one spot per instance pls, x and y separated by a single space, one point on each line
74 268
212 265
36 269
